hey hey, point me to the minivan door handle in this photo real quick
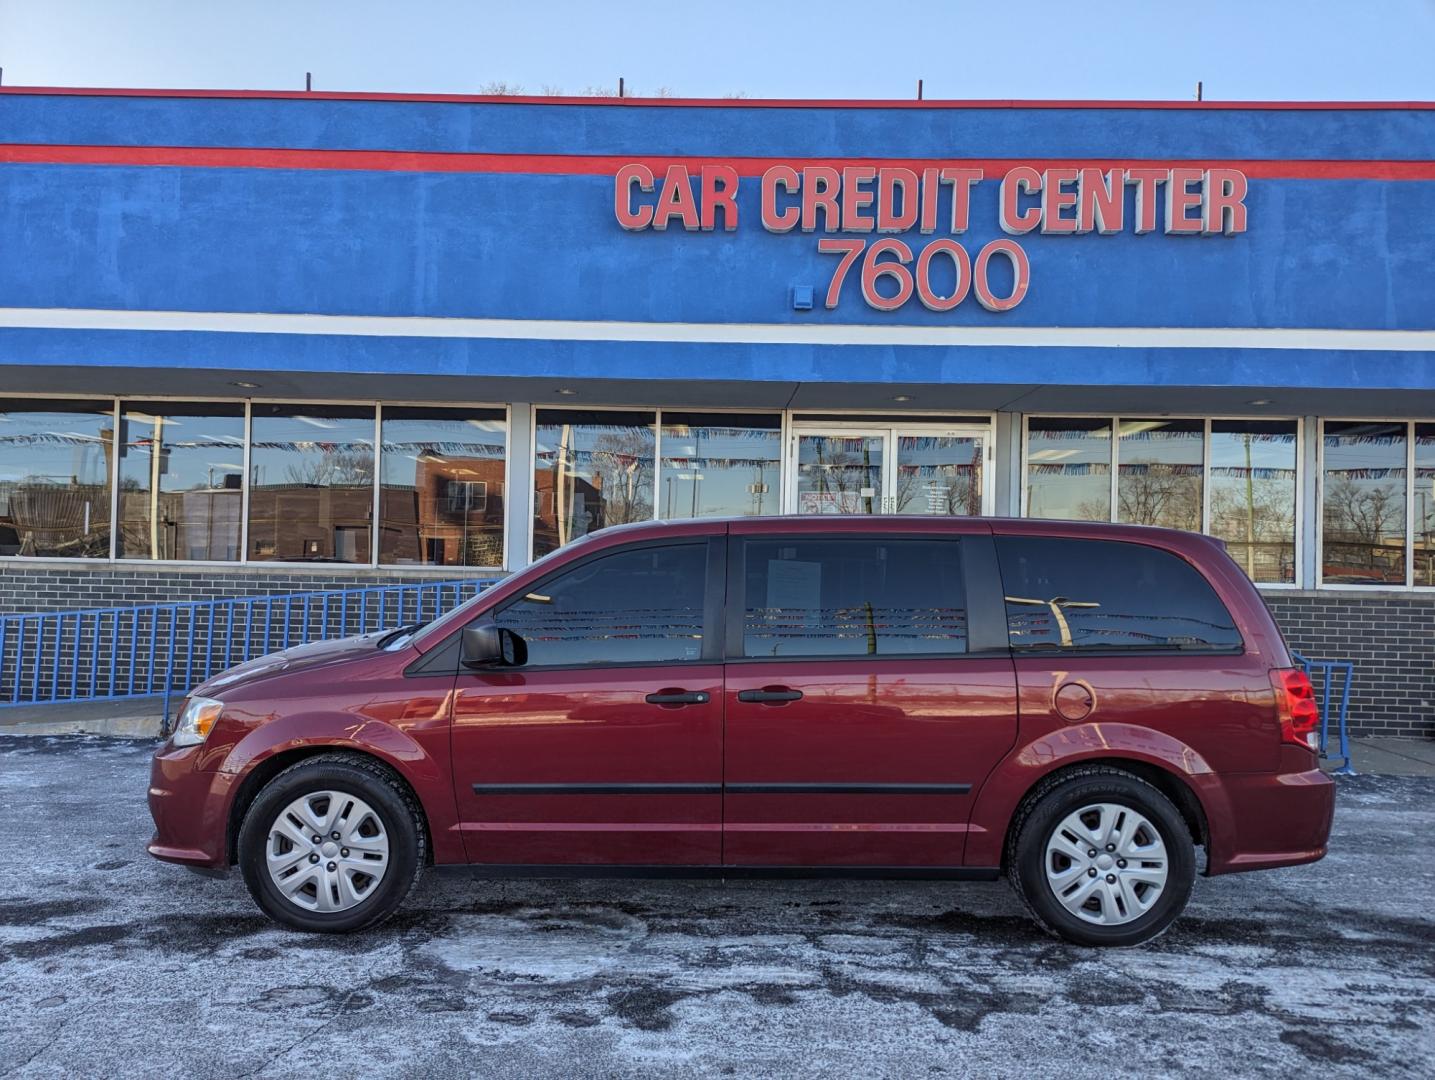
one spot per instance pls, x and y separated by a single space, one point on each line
769 697
678 697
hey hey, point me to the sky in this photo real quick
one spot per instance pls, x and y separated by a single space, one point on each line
1136 49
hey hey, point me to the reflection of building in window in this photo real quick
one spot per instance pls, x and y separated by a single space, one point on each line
452 514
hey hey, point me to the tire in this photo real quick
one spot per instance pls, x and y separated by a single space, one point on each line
1118 905
358 879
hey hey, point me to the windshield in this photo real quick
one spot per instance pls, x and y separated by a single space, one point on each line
421 635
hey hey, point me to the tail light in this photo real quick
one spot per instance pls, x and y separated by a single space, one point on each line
1295 706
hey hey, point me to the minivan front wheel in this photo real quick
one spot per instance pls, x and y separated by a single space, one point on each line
333 843
1100 857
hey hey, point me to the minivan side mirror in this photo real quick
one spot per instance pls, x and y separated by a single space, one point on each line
488 645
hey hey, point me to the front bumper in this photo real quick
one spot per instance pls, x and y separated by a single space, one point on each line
190 809
1271 820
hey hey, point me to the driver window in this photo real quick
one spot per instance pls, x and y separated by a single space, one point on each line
642 605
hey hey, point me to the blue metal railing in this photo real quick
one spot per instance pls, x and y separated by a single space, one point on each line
1332 677
147 650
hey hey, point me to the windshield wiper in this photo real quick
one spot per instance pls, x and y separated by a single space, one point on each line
398 632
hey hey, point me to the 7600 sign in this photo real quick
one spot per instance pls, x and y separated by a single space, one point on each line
971 276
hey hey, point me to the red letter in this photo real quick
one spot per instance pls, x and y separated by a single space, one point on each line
1146 182
819 191
1055 198
623 183
961 181
1020 181
889 182
850 249
1021 275
719 190
676 200
1180 198
1224 208
1101 201
854 198
772 220
930 191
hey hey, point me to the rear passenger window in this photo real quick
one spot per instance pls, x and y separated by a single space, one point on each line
1101 594
879 597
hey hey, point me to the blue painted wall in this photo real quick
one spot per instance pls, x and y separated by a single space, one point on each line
1356 254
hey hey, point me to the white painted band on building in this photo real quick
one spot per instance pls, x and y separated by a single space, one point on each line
1089 337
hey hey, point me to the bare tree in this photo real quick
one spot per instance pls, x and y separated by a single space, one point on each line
340 468
623 472
1160 495
1363 525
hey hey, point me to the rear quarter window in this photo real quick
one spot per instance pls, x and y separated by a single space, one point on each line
1101 595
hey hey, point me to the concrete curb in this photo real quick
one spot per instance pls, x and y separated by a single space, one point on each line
117 727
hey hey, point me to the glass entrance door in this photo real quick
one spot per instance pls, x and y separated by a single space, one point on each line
840 472
939 473
908 469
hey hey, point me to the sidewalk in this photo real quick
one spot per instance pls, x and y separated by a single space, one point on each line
1393 757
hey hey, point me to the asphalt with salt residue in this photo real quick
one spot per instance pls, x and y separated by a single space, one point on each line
113 964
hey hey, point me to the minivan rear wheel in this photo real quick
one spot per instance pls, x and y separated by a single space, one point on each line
334 843
1100 857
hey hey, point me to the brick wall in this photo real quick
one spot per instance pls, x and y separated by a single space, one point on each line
58 586
1391 639
1389 636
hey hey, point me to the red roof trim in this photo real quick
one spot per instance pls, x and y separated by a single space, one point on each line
606 164
745 103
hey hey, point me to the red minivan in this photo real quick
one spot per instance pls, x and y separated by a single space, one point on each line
1078 706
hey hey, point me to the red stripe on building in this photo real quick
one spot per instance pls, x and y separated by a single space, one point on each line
719 103
607 164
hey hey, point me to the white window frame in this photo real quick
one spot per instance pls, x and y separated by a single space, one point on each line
378 405
1408 585
657 413
1116 419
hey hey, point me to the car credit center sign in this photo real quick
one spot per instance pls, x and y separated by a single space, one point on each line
864 198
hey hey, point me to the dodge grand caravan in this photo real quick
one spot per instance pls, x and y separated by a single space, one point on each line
1079 707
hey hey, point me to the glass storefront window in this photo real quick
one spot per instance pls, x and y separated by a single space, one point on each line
720 465
591 469
1363 503
441 488
311 496
1253 489
55 478
1159 476
1424 547
181 478
1068 469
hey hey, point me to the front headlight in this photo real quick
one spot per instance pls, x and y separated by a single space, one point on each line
195 722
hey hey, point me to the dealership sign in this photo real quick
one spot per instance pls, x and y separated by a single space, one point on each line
893 202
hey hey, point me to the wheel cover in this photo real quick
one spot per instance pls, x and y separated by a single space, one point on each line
1106 864
327 851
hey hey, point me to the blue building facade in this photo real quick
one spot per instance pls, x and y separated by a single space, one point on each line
250 342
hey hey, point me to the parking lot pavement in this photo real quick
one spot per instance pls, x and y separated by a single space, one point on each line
113 964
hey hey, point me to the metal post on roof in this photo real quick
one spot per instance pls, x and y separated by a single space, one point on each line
308 81
620 86
919 89
1198 90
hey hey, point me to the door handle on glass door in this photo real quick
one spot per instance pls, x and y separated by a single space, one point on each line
771 696
678 697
